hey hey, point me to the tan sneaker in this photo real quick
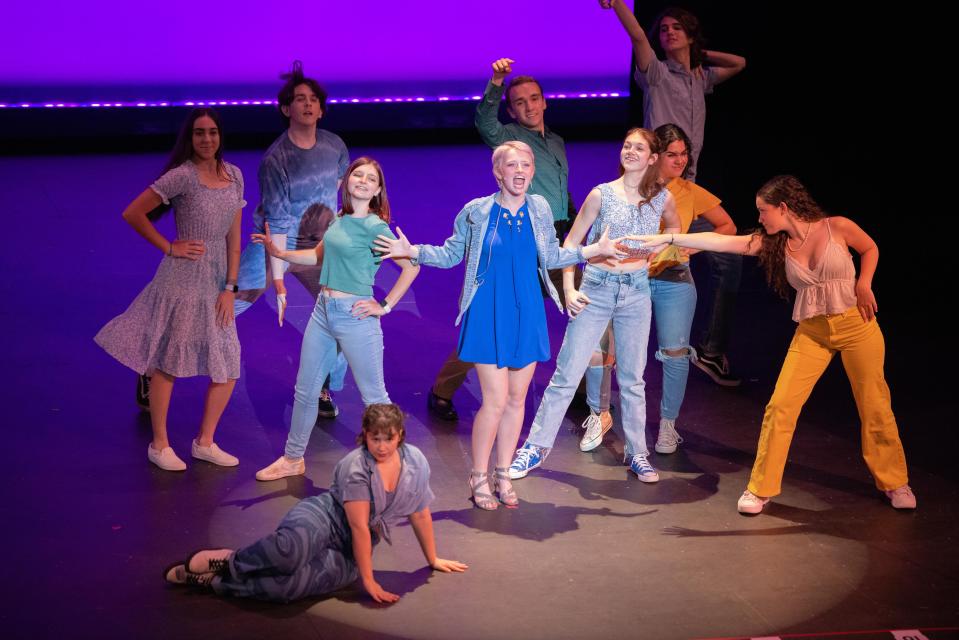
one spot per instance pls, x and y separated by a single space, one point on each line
902 498
165 459
214 454
668 439
596 425
282 468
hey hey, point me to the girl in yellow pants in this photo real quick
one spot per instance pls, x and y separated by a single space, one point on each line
802 249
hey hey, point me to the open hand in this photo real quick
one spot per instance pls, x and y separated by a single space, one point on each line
390 248
448 566
189 249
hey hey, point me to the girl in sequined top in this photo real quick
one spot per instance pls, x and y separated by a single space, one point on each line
613 291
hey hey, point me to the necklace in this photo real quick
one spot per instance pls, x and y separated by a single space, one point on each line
804 238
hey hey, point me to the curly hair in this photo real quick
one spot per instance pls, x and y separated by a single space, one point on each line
772 253
382 418
670 133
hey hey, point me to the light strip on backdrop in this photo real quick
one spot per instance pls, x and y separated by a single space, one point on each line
239 103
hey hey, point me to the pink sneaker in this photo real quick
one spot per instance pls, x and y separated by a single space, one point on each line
282 468
902 498
165 459
751 504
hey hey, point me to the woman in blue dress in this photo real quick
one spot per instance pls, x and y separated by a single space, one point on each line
508 241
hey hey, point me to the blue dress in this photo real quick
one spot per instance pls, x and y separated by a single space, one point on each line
505 324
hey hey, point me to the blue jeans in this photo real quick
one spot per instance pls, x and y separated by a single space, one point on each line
725 272
624 299
334 329
674 303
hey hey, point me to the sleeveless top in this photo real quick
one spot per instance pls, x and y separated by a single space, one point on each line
829 289
624 218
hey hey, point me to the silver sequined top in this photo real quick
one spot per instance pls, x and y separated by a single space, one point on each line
624 219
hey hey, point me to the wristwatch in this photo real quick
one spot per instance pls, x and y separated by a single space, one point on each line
386 306
231 287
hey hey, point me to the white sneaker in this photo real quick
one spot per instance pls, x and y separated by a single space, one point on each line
214 454
282 468
165 459
668 439
750 504
596 425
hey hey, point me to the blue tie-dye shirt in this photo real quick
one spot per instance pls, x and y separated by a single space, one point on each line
294 179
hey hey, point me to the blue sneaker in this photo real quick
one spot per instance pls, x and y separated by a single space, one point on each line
639 465
528 457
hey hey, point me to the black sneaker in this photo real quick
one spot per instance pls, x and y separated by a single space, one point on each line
717 368
143 392
326 408
441 407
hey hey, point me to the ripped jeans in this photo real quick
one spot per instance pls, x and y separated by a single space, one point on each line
674 301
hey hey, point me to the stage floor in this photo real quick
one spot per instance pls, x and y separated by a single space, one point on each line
591 551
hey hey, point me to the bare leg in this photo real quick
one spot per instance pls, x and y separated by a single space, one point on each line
511 424
217 395
161 388
494 383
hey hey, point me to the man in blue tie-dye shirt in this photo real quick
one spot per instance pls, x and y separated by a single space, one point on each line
299 177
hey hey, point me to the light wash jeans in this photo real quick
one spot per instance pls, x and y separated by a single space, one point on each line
334 329
674 303
625 300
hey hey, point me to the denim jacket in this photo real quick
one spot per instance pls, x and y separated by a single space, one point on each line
469 229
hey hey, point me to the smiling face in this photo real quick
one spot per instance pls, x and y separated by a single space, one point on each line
514 172
206 138
636 154
526 105
675 159
364 182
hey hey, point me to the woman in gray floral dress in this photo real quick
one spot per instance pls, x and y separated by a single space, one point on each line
181 324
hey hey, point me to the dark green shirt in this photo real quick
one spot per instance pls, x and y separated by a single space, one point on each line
551 179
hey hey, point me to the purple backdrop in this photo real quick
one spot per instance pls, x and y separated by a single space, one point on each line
365 49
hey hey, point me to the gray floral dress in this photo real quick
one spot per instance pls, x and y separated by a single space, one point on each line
171 325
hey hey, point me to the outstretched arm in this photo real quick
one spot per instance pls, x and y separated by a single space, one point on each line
744 245
422 523
300 256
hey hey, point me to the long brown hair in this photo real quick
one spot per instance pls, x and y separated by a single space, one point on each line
380 204
772 253
649 186
183 151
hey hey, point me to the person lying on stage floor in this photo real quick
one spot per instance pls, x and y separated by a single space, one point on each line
800 246
326 542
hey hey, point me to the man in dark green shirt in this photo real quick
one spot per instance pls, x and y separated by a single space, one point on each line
526 105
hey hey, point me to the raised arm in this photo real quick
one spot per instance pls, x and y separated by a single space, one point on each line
422 523
358 515
641 47
486 120
724 65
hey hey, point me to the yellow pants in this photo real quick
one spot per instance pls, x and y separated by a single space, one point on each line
863 351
